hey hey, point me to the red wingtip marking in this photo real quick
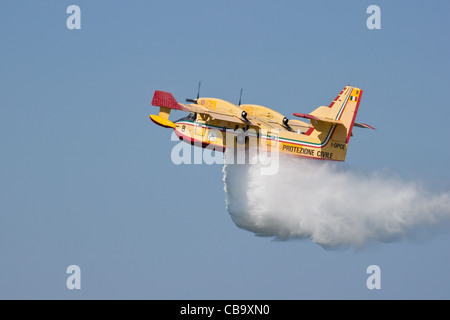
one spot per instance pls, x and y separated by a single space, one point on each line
165 99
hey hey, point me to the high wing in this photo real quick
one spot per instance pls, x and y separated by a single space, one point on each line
255 115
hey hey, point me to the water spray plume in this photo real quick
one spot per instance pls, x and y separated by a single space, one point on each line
329 204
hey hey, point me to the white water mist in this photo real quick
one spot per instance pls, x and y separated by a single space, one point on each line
329 204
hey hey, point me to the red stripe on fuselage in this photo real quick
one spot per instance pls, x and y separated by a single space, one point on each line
196 142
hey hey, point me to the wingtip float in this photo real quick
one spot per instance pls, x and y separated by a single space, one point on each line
210 120
160 121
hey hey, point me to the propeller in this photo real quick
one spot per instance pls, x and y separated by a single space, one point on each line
286 124
198 94
243 114
240 98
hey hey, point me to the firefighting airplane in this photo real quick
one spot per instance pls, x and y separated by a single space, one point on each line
212 122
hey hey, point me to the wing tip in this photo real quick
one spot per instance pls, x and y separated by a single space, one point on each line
165 99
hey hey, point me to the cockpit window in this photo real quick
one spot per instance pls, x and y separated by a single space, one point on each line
190 117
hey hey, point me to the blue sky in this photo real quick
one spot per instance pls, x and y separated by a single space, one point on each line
87 179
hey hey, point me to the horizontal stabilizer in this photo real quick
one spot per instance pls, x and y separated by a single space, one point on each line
363 125
311 117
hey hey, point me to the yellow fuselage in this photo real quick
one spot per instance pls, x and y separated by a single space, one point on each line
219 134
